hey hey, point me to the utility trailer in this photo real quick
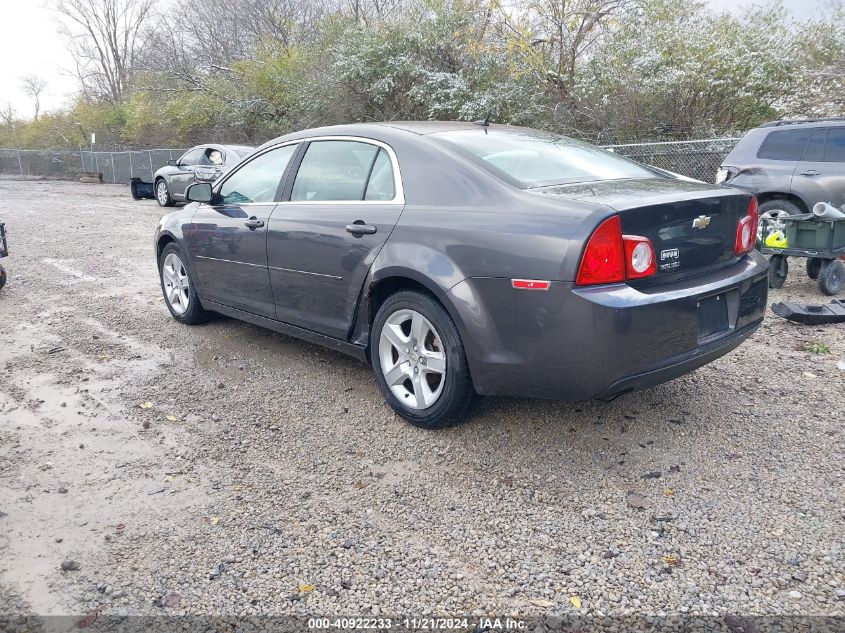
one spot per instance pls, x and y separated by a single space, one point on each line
820 240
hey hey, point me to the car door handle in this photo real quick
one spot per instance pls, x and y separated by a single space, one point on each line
810 172
358 228
254 223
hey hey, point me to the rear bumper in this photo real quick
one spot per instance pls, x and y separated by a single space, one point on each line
677 366
577 343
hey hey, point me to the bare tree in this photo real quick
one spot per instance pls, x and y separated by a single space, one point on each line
556 34
7 116
33 86
105 39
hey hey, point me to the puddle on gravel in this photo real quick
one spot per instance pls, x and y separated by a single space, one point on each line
74 464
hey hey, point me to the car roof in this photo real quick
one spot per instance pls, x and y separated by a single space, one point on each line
384 131
803 123
221 146
433 127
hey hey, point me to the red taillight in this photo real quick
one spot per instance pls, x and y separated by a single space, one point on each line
611 257
603 261
746 230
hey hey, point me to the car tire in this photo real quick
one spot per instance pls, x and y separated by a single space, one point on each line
179 290
831 276
162 193
780 205
814 265
408 375
778 271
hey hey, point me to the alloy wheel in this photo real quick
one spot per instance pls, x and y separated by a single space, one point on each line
177 285
161 192
774 222
412 359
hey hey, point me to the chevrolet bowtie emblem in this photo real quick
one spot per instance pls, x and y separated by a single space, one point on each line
701 222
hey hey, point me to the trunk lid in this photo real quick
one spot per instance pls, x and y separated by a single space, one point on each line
691 225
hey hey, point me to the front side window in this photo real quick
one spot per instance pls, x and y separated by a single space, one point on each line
334 170
192 157
835 147
258 180
785 145
529 159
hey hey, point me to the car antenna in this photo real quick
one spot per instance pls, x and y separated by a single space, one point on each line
485 122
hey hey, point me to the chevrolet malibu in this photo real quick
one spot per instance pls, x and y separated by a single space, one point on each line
462 259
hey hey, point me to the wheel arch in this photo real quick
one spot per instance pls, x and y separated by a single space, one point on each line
768 196
163 240
388 281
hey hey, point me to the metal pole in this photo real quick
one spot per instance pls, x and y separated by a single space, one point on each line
20 164
131 173
96 162
113 177
150 156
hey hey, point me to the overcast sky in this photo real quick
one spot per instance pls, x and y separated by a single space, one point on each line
31 44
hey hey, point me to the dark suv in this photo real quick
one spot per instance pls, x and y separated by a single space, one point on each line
790 165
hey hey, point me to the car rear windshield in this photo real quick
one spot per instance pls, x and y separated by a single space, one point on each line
528 159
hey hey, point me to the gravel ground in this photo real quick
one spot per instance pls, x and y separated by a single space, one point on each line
225 469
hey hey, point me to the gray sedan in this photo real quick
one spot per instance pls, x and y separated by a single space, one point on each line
462 259
203 163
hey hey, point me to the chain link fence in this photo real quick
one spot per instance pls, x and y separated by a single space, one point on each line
116 167
697 159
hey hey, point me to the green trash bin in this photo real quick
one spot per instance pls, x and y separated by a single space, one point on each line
811 233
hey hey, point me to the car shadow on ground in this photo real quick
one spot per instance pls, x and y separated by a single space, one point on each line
669 406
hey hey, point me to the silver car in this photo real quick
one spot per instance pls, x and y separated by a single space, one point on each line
790 165
203 163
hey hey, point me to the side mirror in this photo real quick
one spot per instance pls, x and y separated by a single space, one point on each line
171 163
199 192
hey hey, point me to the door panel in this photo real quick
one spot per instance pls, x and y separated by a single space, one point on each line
344 201
317 267
184 175
820 176
229 237
230 255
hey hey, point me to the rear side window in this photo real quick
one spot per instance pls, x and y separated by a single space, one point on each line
258 180
815 148
213 156
784 145
381 184
835 148
334 170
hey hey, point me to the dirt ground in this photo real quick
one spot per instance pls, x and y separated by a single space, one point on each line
226 469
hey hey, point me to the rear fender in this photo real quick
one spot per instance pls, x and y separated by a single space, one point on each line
433 271
423 265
